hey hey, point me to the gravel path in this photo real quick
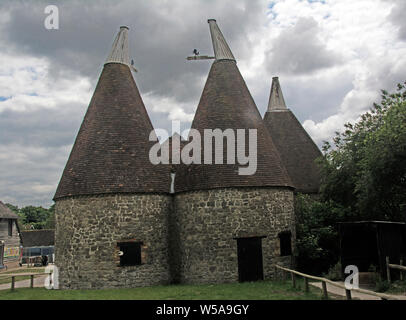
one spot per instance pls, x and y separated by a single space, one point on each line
38 283
355 295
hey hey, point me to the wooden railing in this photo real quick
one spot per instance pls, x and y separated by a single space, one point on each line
14 275
324 282
400 267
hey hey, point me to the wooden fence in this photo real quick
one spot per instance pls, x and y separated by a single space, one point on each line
14 275
400 267
324 282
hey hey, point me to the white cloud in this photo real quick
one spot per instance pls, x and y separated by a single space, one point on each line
27 85
359 32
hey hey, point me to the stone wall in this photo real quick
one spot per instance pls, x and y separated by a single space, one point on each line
88 229
206 223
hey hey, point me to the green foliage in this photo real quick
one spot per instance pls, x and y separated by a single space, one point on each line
366 169
317 233
363 178
381 285
31 217
398 287
335 273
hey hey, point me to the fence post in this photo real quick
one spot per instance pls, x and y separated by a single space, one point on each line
348 294
401 271
325 293
388 270
293 279
306 284
13 280
32 281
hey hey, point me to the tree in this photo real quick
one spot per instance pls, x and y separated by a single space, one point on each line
366 169
317 239
31 217
363 178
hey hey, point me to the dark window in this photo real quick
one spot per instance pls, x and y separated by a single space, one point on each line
285 243
131 253
10 227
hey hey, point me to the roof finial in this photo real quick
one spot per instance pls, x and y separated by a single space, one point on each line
120 52
221 49
276 100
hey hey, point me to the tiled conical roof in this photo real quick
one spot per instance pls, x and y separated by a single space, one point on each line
225 104
111 151
296 148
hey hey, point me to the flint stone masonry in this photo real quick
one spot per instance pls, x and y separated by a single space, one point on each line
205 224
88 229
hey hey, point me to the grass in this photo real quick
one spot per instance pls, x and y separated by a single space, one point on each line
4 280
264 290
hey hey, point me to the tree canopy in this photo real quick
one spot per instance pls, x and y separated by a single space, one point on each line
363 178
32 217
366 168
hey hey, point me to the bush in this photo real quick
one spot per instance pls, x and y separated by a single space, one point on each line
381 285
335 273
317 236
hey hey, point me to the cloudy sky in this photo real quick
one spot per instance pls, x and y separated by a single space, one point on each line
332 57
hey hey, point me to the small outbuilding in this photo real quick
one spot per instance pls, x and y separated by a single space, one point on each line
10 241
366 244
38 246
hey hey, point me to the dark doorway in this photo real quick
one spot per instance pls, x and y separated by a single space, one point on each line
285 241
250 266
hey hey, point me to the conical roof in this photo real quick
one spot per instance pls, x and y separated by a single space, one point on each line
225 104
111 151
296 148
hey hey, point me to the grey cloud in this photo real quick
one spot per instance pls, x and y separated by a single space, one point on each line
397 17
161 36
298 50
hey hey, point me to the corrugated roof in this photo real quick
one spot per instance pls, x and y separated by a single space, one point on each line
6 213
38 238
296 148
111 151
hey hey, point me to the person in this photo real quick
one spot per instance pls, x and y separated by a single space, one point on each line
44 260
